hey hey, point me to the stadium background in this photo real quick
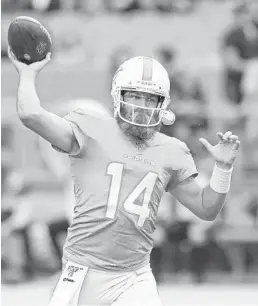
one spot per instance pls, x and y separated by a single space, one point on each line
88 43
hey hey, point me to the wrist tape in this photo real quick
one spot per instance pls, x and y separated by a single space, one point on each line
220 179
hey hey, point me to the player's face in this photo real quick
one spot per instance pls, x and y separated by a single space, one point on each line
138 109
143 99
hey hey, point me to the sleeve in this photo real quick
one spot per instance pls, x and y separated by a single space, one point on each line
87 123
75 120
186 170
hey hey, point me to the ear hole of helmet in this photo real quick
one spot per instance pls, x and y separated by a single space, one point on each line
160 101
122 94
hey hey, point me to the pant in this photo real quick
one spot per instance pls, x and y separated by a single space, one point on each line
80 285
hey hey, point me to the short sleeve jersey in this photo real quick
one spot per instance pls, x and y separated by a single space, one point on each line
118 188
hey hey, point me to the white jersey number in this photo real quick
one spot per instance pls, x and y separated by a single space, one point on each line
145 187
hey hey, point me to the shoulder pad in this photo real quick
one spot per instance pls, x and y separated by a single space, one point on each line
178 144
98 111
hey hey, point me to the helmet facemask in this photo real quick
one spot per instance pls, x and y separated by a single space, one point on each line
130 113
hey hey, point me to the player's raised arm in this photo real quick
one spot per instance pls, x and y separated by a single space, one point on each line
51 127
207 202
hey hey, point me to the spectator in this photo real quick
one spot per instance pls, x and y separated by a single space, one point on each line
239 44
252 208
240 57
250 80
58 165
17 225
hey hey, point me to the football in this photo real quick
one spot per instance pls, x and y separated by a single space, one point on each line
29 41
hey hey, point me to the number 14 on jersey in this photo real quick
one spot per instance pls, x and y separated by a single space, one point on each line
145 187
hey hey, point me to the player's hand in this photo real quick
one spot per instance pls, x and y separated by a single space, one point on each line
33 68
225 152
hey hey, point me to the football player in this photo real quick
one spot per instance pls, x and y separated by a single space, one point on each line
121 166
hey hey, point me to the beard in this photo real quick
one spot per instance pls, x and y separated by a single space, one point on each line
142 133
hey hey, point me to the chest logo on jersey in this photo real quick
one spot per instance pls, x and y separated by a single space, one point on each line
140 159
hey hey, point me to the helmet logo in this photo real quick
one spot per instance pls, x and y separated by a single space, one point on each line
147 83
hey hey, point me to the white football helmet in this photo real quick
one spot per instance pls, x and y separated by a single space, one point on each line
143 74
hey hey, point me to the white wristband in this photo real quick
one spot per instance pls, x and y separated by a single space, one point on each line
220 179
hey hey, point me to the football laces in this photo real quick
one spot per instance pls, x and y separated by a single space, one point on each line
43 29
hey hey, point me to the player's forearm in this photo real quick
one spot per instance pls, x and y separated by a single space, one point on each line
214 195
212 202
28 103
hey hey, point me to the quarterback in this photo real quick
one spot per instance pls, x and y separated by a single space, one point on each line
121 165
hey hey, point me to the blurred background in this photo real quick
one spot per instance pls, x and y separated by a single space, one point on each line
210 49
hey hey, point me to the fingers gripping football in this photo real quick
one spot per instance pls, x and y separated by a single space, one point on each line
34 67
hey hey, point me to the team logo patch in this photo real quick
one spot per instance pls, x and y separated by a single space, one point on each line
71 270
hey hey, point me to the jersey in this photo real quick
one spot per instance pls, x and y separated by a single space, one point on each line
118 187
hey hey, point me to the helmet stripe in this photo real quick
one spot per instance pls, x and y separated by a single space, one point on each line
147 69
